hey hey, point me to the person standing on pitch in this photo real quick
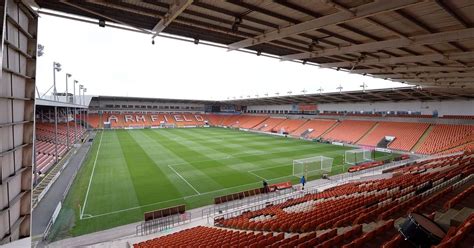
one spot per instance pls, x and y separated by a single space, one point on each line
303 182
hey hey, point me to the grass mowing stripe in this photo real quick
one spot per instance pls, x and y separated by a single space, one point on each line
205 182
141 165
150 183
190 185
218 171
163 157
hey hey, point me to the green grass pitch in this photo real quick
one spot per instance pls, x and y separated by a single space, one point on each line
129 172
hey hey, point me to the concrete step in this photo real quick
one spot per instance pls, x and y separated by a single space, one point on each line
330 129
461 216
422 138
444 219
368 132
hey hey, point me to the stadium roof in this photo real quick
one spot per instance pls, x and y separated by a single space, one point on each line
144 99
52 103
378 95
420 42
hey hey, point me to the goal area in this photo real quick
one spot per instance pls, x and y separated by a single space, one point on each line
357 156
312 166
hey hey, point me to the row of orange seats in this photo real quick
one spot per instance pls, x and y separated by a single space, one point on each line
406 134
318 127
443 137
349 131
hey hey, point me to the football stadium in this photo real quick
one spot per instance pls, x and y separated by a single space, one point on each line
84 165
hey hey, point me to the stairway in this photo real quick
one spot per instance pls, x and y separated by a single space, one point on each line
368 132
306 133
422 138
330 129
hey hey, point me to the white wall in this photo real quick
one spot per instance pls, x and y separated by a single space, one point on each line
288 107
457 107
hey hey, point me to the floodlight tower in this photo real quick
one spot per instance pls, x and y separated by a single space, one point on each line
320 90
86 114
339 88
81 87
68 75
75 110
56 68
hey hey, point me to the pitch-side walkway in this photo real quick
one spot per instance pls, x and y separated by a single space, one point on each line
124 236
45 208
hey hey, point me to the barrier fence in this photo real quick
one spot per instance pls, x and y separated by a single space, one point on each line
161 224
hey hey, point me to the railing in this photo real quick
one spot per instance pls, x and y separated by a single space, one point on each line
224 207
294 195
164 223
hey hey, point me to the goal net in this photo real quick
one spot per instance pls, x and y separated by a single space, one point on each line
312 166
357 156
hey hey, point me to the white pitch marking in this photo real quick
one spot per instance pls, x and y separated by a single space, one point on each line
256 175
186 181
92 175
181 198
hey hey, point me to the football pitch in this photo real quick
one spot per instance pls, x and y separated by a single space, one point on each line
129 172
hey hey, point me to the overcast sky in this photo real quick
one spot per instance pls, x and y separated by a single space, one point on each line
115 62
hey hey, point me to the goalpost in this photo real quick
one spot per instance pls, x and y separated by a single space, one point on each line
356 156
312 166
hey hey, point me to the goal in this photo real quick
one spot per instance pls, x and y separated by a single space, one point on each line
357 156
312 166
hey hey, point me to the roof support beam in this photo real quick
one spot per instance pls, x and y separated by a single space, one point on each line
102 15
413 69
436 38
336 18
176 8
405 59
453 14
428 75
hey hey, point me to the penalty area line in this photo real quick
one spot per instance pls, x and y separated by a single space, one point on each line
89 216
186 181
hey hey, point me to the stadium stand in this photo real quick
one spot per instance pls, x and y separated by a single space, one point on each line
313 128
249 121
356 214
45 143
468 117
467 147
409 115
269 124
349 131
231 120
94 121
289 125
443 137
440 138
216 120
406 134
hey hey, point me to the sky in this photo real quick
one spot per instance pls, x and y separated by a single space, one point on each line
114 62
